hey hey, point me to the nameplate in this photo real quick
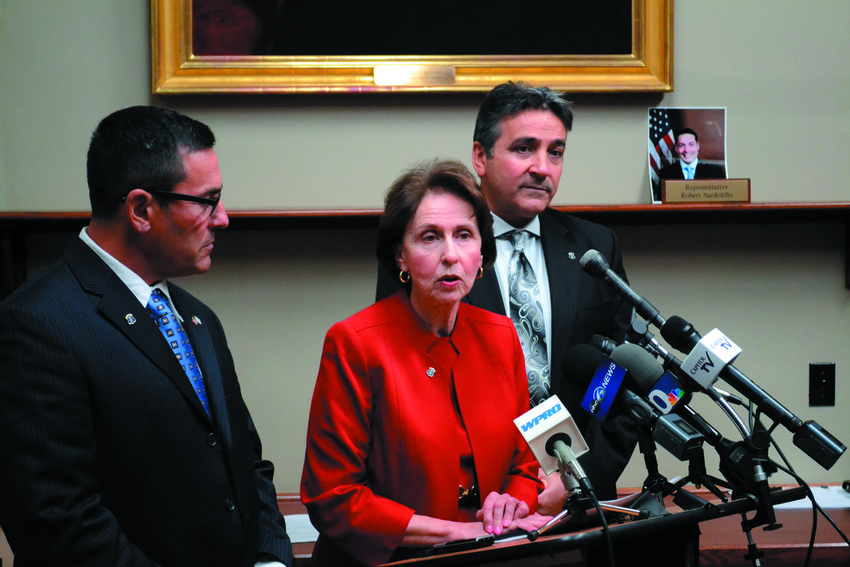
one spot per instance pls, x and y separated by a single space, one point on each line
705 190
414 75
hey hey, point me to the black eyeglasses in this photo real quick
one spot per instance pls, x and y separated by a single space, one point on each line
171 195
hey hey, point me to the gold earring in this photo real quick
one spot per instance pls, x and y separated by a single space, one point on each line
480 273
403 276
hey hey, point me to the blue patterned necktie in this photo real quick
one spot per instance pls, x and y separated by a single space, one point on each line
689 172
170 327
527 316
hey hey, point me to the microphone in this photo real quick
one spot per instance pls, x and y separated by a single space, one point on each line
602 343
663 390
639 334
597 266
604 394
672 383
809 436
709 356
555 440
661 387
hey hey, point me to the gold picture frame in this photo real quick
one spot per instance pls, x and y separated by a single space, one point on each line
176 70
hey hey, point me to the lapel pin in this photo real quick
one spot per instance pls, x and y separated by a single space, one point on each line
195 320
572 255
430 372
130 319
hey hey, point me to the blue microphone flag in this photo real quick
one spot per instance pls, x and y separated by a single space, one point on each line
603 388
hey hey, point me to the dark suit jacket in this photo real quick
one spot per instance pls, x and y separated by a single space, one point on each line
582 306
107 456
704 171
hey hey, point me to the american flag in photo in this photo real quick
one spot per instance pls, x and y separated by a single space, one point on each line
661 142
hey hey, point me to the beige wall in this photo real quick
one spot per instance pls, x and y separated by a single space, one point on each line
780 68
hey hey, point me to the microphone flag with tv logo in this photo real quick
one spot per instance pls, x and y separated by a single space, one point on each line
603 388
709 357
666 393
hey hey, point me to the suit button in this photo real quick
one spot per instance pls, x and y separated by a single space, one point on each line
212 440
229 505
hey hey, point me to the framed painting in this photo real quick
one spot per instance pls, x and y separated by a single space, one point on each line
338 46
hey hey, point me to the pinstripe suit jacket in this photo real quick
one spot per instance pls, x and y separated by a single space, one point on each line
108 457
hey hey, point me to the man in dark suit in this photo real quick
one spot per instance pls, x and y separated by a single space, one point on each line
518 147
689 165
120 446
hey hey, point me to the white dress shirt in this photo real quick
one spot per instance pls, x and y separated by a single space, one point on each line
131 279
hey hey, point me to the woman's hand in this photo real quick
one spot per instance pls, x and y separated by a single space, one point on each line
530 523
500 511
425 531
551 500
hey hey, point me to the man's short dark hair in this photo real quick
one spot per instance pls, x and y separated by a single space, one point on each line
140 147
686 131
406 194
509 99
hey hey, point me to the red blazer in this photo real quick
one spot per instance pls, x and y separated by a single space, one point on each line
380 438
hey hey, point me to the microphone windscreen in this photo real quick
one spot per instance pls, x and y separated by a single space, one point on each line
642 366
594 263
580 364
676 331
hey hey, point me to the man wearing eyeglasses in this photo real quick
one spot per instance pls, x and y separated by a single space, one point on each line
124 438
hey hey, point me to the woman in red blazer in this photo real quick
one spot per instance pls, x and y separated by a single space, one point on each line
411 440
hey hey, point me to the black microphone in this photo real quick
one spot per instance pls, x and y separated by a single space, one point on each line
589 369
597 266
662 387
809 436
638 333
603 343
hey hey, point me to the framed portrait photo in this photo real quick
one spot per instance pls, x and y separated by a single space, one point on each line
335 46
685 144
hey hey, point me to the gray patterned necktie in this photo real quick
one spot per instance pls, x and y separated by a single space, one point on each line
527 316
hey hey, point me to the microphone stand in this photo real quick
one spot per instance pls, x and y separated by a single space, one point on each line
655 482
579 501
657 486
699 477
746 465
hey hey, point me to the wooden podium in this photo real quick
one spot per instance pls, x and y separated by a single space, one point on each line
672 539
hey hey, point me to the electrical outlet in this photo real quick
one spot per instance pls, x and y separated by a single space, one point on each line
821 384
